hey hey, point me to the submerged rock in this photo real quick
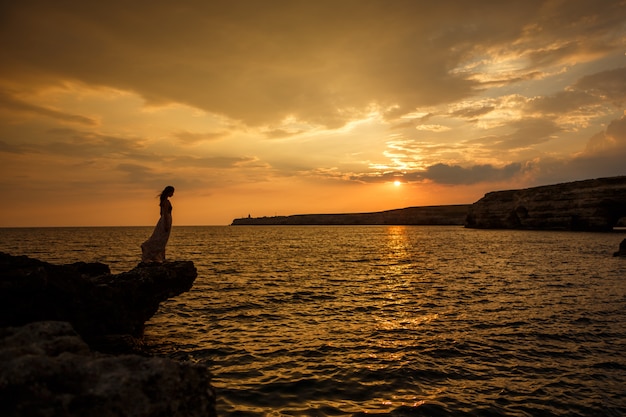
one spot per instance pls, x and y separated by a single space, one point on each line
622 249
97 303
46 369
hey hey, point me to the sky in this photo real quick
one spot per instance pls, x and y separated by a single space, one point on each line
281 107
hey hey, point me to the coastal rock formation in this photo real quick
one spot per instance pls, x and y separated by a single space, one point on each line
427 215
97 303
622 249
47 370
591 205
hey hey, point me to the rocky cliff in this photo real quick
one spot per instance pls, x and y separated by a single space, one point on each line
591 205
95 302
52 316
427 215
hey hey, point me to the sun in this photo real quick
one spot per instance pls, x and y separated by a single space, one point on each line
397 183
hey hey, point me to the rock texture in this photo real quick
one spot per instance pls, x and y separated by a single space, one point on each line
427 215
591 205
95 302
47 370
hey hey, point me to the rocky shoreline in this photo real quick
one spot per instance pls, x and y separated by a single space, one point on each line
71 338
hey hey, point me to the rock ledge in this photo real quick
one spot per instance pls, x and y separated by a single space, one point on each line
97 303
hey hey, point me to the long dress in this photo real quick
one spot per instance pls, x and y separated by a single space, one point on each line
153 249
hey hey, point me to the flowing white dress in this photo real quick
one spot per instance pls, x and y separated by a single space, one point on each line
153 249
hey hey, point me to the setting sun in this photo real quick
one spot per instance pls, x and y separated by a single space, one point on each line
397 183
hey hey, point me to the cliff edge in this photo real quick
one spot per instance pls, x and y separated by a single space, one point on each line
590 205
97 303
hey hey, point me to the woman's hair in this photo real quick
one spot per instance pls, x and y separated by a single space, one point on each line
167 191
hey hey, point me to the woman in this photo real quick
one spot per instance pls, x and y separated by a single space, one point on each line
153 249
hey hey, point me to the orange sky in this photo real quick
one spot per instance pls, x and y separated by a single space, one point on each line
296 106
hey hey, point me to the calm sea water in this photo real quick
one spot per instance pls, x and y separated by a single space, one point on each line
398 321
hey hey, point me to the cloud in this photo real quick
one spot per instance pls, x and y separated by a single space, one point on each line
584 95
518 134
471 113
260 63
528 132
561 102
222 162
85 144
603 156
192 138
281 133
432 128
612 140
445 174
137 174
9 148
15 106
608 85
454 174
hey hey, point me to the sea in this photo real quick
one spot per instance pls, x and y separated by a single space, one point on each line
383 320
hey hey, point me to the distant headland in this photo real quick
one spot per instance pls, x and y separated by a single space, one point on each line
427 215
589 205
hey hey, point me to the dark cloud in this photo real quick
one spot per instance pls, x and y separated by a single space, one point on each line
77 143
223 162
527 132
74 143
135 170
15 105
606 84
607 143
563 30
10 148
280 133
455 175
259 62
87 145
471 113
447 174
191 138
603 156
135 174
590 90
561 102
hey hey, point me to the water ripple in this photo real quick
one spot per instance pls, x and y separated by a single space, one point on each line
395 321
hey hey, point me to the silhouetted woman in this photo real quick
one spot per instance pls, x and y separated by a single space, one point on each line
153 249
